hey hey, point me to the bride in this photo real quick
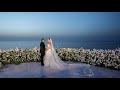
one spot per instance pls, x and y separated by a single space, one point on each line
52 60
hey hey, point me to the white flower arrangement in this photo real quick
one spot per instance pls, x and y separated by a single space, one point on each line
106 58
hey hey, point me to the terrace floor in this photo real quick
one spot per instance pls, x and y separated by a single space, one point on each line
35 70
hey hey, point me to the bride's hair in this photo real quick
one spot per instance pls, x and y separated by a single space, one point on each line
49 41
49 38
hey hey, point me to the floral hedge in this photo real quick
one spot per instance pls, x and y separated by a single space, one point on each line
17 56
100 57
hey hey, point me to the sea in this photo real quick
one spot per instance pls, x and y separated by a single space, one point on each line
6 45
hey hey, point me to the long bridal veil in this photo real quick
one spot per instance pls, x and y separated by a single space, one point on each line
83 69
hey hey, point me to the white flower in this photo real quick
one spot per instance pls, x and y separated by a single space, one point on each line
35 48
16 49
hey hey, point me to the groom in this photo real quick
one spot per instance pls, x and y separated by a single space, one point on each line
42 50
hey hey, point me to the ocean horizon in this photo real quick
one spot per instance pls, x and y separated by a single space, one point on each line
29 44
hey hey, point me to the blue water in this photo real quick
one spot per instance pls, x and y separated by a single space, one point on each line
59 44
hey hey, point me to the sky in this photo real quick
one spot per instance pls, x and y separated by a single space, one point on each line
62 24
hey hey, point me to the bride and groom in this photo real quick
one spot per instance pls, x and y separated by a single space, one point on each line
50 58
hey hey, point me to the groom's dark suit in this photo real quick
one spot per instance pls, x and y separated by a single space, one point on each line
42 51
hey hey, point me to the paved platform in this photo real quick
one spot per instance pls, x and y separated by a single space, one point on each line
35 70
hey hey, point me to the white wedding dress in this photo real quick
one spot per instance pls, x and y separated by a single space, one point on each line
52 60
